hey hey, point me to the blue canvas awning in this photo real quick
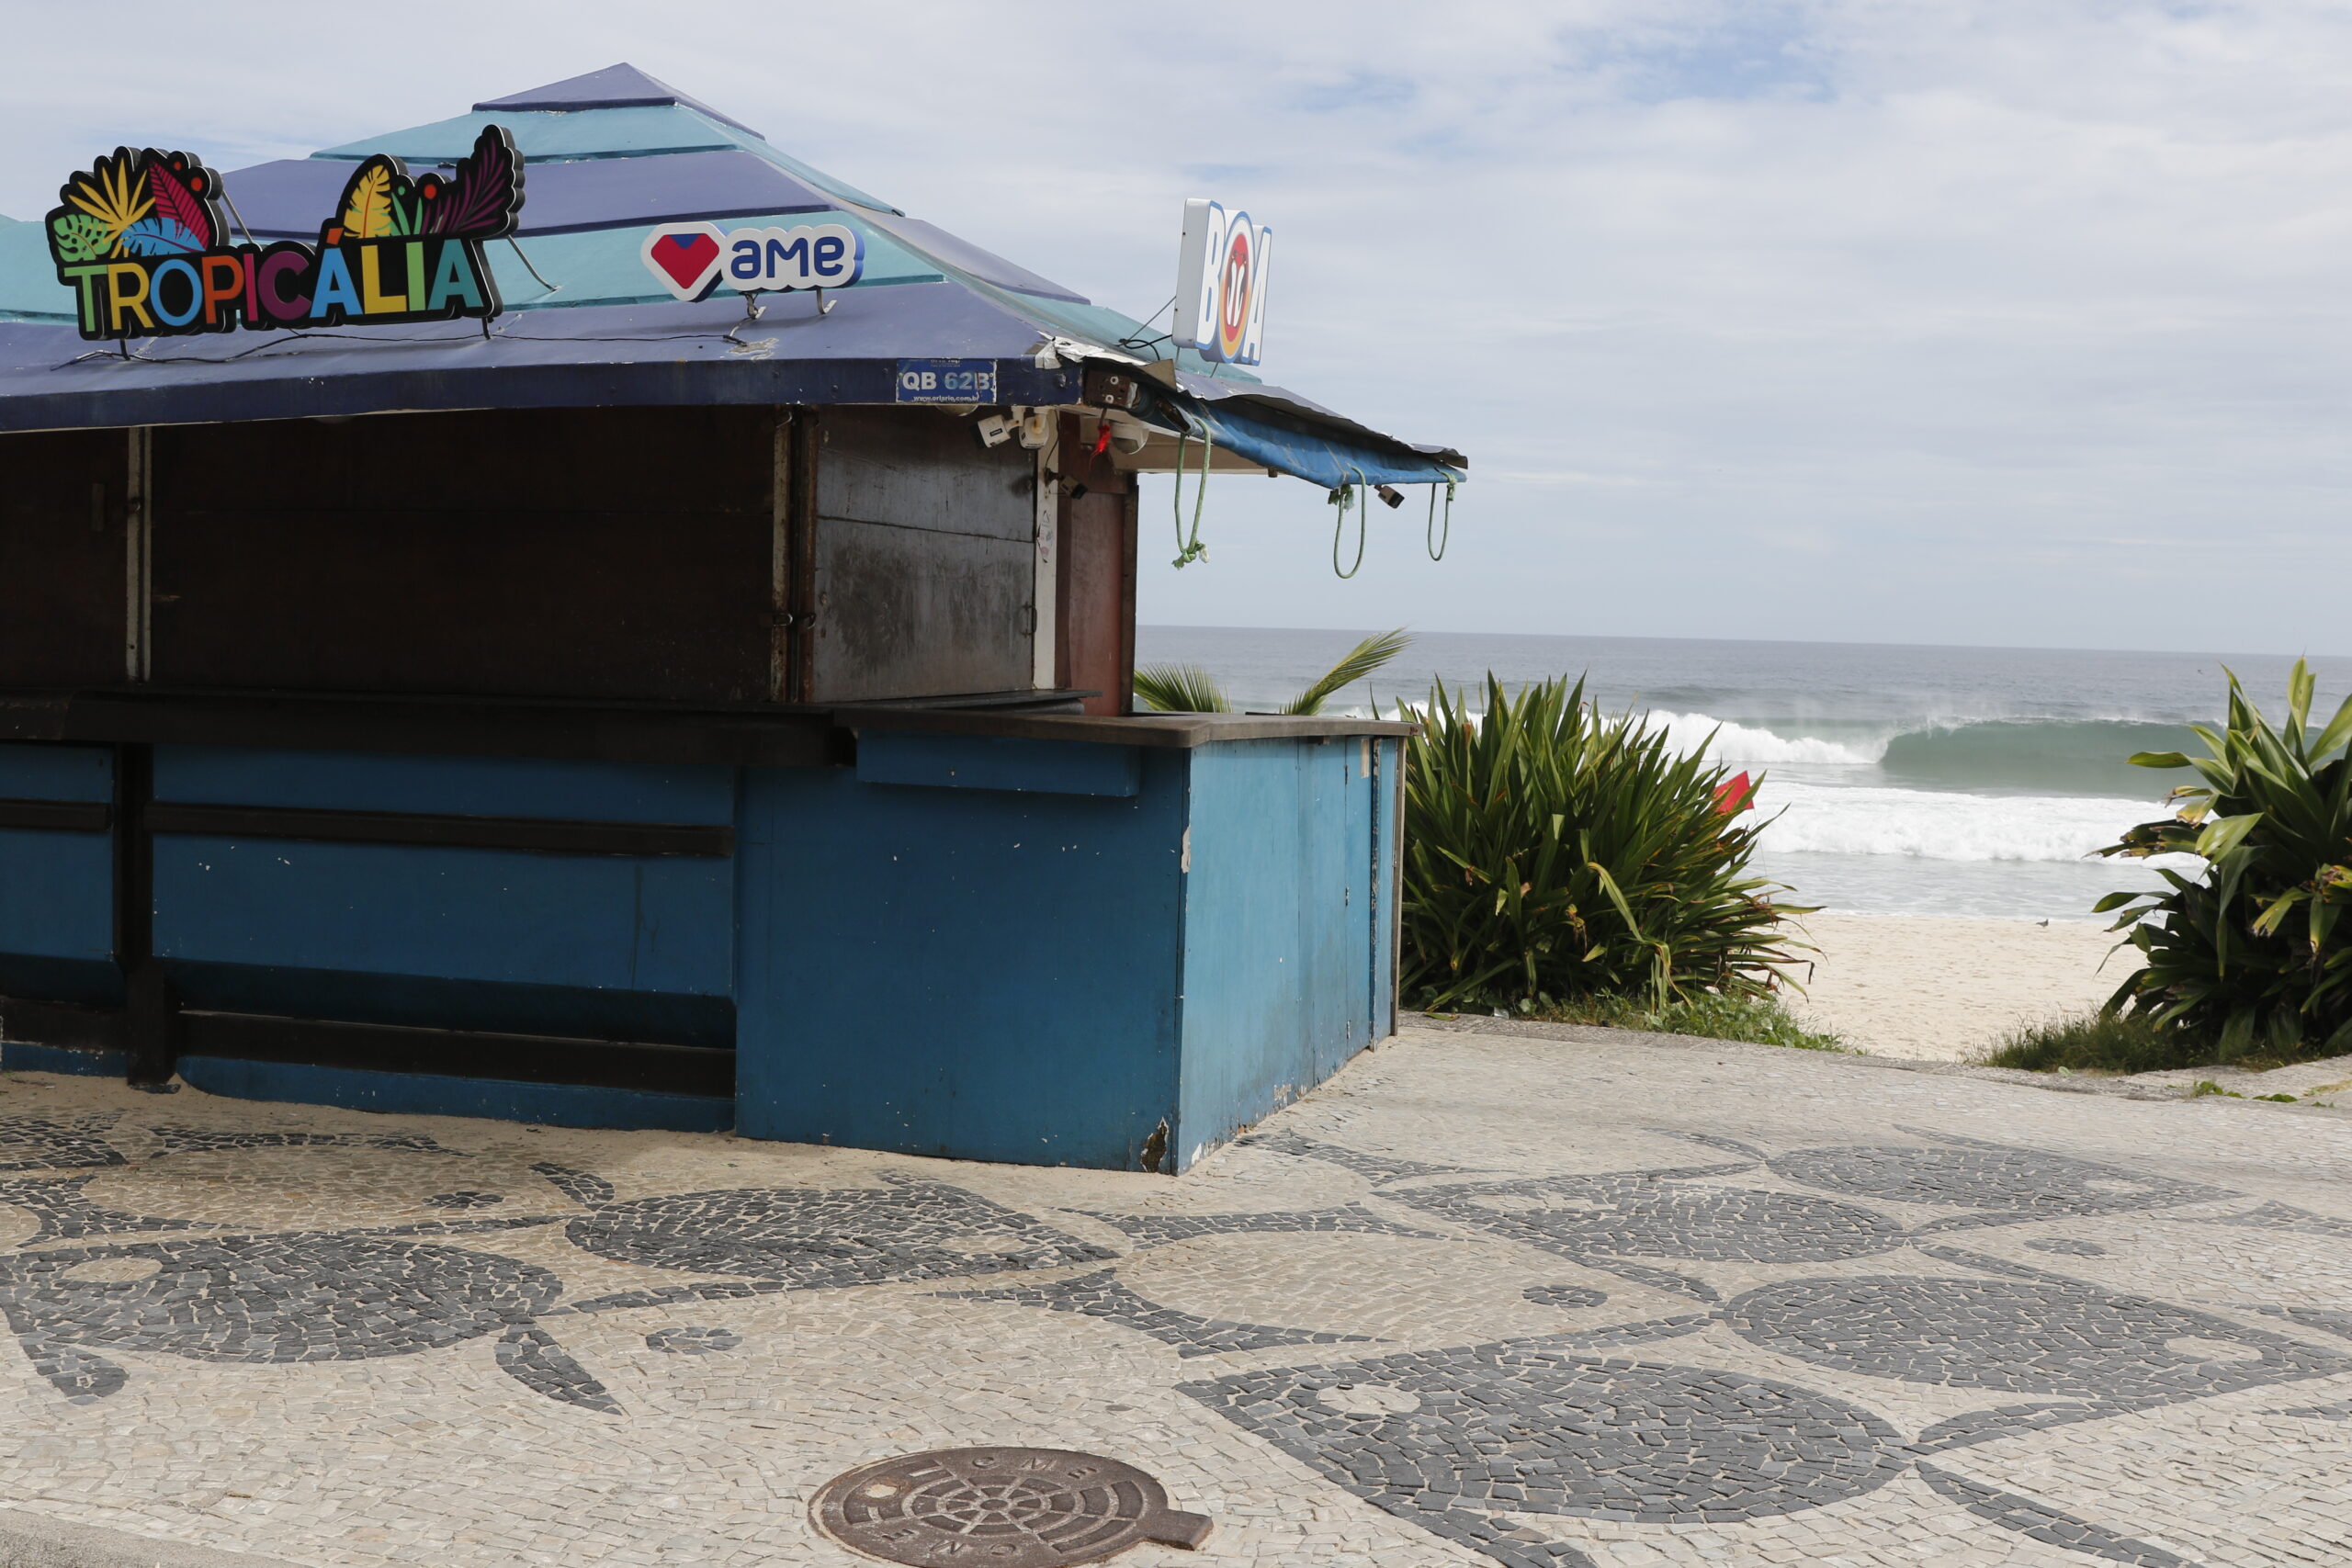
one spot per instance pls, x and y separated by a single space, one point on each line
1278 431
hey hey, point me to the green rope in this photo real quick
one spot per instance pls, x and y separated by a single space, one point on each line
1344 499
1189 551
1437 549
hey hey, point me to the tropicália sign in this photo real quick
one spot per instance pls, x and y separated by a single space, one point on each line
140 240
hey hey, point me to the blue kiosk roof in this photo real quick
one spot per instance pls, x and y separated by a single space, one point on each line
607 156
621 86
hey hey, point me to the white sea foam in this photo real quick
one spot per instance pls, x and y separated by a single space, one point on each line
1934 825
1745 744
1826 818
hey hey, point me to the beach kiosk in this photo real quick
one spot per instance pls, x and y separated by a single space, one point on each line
569 614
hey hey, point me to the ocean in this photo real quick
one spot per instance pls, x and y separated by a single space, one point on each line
1900 779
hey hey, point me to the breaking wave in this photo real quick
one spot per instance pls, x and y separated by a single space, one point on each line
1751 745
2001 790
1994 790
2085 757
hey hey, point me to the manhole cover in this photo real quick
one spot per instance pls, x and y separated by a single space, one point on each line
1001 1508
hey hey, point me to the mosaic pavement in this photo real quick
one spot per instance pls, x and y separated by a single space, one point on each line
1482 1301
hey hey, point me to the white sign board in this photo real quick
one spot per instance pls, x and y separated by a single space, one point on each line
692 259
1221 284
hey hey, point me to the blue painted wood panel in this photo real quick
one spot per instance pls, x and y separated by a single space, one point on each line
1387 848
997 761
19 1057
57 890
32 769
430 1094
57 894
1279 924
430 1002
469 787
976 974
598 921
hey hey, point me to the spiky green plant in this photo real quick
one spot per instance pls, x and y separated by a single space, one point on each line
1188 688
1549 852
2249 953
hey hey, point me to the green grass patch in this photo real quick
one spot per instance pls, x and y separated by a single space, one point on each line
1754 1021
2089 1043
2126 1043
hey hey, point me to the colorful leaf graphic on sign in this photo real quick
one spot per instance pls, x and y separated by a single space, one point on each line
483 196
140 240
181 188
369 212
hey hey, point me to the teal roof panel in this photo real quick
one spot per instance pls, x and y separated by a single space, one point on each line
547 137
550 136
28 287
606 266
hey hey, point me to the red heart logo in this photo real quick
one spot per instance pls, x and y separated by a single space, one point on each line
684 256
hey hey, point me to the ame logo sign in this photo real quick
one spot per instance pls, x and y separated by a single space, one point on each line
690 260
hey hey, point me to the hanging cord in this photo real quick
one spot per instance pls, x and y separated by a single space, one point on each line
1432 539
1345 499
237 215
1187 552
543 283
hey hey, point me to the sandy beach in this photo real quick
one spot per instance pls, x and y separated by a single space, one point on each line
1944 989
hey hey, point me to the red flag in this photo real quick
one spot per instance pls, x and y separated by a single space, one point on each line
1735 796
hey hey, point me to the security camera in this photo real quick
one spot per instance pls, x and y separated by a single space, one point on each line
995 429
1390 494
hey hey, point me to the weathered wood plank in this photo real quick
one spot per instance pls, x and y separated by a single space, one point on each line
62 595
920 469
903 612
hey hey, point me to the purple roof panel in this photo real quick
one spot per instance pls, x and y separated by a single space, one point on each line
607 193
292 197
622 86
288 199
988 267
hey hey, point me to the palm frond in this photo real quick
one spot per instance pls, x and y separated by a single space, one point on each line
1354 665
114 192
1179 688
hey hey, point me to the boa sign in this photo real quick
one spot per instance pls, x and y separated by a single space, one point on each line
1221 284
141 241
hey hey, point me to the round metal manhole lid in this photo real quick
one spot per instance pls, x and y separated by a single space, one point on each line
1000 1508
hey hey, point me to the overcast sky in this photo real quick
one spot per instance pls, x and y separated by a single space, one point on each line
2012 324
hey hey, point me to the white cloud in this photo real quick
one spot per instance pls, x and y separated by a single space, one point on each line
1884 318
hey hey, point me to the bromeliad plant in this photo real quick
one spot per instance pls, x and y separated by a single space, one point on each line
1551 853
2252 953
